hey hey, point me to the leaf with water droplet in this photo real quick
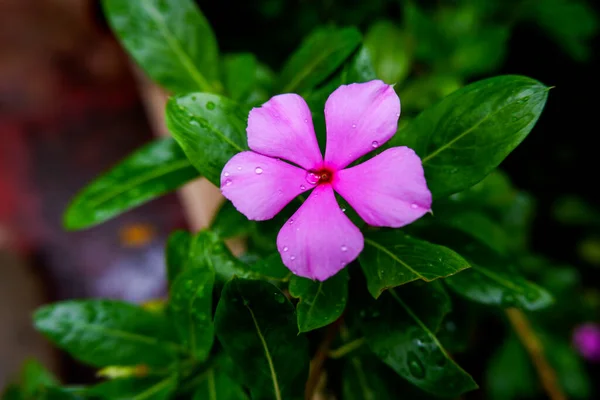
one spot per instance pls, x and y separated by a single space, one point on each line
321 303
465 136
403 337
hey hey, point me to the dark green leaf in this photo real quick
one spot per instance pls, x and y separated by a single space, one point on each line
391 258
569 366
209 128
150 172
247 81
480 52
177 253
35 377
321 303
480 227
209 249
135 389
107 332
219 386
229 222
467 134
256 325
510 374
421 92
171 40
271 267
400 329
320 54
191 309
390 50
12 392
497 283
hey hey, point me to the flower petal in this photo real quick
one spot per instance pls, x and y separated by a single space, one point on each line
260 186
395 188
283 128
319 239
359 118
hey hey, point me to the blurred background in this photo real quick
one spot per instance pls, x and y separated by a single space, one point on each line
71 107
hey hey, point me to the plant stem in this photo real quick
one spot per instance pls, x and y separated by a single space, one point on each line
534 347
316 364
346 348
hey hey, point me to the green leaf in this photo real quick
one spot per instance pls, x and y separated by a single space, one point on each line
569 366
467 134
391 258
209 128
480 227
151 171
320 54
492 280
191 309
108 332
209 249
256 325
171 40
246 80
400 329
321 303
480 52
35 377
229 222
178 250
12 392
271 267
217 385
510 374
135 389
390 50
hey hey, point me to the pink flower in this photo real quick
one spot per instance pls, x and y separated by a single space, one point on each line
586 339
388 190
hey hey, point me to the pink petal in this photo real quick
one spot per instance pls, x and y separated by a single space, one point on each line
260 186
283 128
359 117
387 190
319 239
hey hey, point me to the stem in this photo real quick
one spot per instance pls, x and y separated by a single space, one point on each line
346 348
534 347
316 364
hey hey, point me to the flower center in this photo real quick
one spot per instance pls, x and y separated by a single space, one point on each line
317 177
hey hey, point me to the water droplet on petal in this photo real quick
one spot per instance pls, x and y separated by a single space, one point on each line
302 187
343 209
228 182
291 221
226 174
239 168
414 205
375 144
312 178
344 248
397 114
354 126
292 258
306 120
285 248
258 170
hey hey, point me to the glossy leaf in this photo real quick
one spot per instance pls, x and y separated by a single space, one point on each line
151 171
246 80
108 332
319 55
217 385
209 128
177 253
191 309
321 303
170 40
467 134
135 389
498 283
390 50
256 325
400 329
229 222
209 249
391 258
271 267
